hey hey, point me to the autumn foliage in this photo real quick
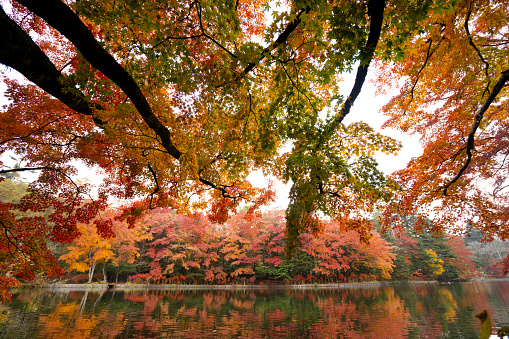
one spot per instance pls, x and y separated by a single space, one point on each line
174 104
458 105
247 249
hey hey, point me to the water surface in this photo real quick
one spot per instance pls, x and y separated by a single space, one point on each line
368 311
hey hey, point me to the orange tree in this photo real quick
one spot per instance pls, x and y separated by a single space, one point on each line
177 102
90 248
454 93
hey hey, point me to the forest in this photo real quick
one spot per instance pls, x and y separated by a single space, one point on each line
170 248
174 103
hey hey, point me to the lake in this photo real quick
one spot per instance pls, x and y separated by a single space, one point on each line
406 310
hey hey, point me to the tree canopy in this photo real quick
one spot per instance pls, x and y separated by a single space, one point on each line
178 101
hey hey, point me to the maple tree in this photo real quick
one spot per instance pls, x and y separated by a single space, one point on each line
463 261
23 250
342 256
251 249
90 248
177 102
181 246
453 92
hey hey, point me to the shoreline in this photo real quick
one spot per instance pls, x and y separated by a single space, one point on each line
175 287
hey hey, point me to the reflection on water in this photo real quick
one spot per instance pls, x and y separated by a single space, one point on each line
378 311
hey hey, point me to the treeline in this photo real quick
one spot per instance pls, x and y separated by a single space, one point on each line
166 247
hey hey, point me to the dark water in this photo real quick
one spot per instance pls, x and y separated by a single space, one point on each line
381 311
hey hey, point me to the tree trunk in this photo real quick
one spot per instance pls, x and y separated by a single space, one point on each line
104 273
91 271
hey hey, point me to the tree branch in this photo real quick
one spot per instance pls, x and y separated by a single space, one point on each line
38 130
280 40
471 42
477 120
58 15
25 169
41 168
20 52
203 34
297 87
429 53
376 12
157 188
176 38
198 10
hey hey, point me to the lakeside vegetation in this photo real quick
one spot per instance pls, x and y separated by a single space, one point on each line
165 247
168 248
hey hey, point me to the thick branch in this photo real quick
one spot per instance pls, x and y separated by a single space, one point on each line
63 19
477 120
376 12
19 51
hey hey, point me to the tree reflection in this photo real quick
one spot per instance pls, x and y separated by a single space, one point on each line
390 311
